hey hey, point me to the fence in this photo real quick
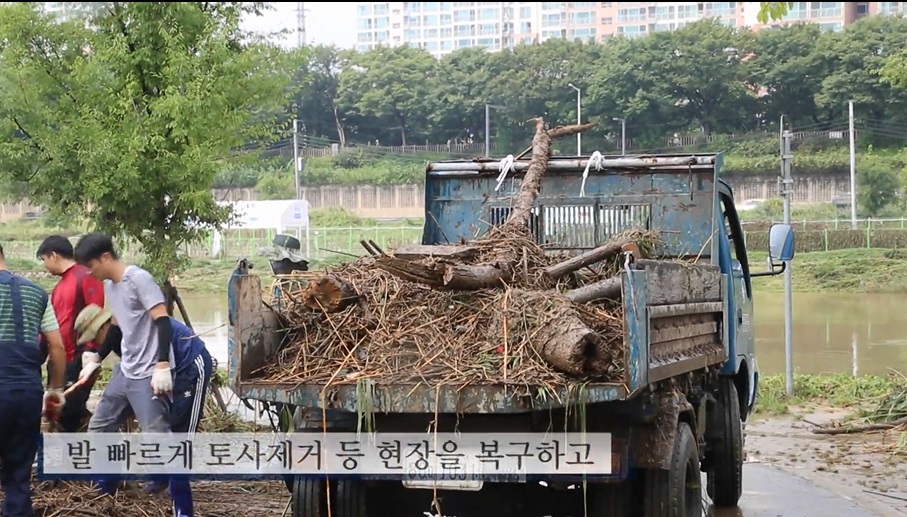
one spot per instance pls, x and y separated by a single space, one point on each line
329 243
612 145
831 224
323 243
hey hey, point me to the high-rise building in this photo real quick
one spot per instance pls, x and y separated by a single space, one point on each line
442 27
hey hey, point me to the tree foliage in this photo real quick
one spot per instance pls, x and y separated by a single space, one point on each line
126 120
703 78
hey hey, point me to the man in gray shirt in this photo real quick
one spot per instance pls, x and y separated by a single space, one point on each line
142 380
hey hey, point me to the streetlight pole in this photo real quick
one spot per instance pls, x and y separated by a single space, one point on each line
623 134
579 118
488 127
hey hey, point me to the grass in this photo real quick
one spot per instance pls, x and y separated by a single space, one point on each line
854 271
838 390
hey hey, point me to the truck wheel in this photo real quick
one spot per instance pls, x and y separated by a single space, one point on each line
348 498
309 498
725 473
676 492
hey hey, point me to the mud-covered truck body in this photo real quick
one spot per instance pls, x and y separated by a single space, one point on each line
689 366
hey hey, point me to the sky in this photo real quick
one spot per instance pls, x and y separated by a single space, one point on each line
327 23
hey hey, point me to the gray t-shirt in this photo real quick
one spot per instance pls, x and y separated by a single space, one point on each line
130 300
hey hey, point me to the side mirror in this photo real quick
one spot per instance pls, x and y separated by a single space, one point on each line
781 243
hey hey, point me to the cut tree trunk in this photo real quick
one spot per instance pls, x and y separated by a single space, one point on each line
538 163
329 294
562 339
607 250
610 289
498 271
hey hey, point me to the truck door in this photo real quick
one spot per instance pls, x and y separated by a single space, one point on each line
740 335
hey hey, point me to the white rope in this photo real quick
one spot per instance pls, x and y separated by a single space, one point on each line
597 161
505 166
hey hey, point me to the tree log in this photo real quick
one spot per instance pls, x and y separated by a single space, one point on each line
427 274
480 276
609 288
538 163
498 271
603 252
329 294
854 429
560 337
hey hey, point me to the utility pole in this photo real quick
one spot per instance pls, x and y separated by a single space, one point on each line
296 161
853 171
579 118
488 127
300 24
623 135
786 184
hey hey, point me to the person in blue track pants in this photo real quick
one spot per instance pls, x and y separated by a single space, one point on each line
164 369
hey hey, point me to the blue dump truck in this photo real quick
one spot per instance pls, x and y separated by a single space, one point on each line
691 373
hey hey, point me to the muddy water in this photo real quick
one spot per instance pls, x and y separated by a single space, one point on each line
832 333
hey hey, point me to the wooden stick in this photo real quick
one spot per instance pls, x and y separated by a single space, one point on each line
605 251
609 288
854 429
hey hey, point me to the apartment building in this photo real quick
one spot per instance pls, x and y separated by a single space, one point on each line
443 27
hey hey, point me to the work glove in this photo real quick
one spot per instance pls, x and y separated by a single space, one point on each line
162 380
53 403
91 362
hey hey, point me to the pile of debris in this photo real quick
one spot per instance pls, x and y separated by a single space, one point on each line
498 310
224 499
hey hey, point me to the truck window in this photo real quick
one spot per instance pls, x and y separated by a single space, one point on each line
735 237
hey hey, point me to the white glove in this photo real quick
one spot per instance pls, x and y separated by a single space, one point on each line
162 381
91 361
53 402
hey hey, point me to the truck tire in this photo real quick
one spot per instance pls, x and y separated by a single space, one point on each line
348 498
676 492
309 497
725 473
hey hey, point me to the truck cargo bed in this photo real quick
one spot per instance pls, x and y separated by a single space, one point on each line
672 325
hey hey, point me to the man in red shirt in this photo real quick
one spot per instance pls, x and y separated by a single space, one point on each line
76 290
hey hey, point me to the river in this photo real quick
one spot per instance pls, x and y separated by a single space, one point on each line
832 332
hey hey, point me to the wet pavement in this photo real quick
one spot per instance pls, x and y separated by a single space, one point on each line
771 492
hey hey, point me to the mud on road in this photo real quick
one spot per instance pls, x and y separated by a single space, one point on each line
868 468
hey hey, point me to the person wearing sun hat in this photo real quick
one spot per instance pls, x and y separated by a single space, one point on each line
191 379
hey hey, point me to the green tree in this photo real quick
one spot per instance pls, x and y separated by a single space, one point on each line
786 65
126 123
878 188
392 86
463 91
857 57
318 78
700 74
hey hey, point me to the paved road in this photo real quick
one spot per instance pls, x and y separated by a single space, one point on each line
771 492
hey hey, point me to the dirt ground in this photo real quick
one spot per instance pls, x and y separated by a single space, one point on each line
864 467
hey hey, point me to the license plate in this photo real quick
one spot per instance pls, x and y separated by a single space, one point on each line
466 478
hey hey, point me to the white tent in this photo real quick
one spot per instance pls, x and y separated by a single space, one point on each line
278 215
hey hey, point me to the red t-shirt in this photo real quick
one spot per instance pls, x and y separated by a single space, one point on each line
76 290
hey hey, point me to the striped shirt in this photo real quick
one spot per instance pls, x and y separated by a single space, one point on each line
21 364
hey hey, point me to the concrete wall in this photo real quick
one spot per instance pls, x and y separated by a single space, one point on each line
406 201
